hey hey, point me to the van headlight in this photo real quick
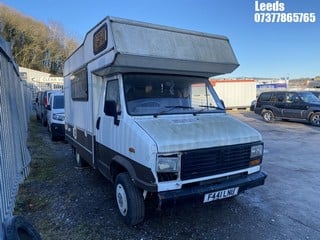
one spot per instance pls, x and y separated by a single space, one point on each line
58 117
168 163
256 151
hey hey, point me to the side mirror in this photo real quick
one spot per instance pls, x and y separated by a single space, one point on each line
110 109
48 107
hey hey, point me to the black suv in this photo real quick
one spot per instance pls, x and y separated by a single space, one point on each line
289 105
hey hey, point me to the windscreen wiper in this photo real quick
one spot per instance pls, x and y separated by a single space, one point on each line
206 107
170 108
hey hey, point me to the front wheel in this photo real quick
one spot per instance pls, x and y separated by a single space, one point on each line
268 116
52 133
315 119
129 200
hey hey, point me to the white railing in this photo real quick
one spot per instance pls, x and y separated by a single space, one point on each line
15 110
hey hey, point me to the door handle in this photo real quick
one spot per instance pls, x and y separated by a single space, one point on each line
98 123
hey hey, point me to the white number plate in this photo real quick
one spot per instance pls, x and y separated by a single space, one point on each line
208 197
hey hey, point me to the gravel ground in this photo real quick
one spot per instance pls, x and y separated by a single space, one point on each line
65 202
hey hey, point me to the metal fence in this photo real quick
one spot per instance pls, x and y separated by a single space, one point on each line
15 110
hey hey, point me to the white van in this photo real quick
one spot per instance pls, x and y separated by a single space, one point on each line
44 101
55 116
139 107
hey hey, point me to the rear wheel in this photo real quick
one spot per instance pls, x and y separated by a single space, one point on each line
315 119
268 115
129 200
80 162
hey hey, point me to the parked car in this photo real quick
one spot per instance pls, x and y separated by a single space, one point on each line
55 116
44 102
292 105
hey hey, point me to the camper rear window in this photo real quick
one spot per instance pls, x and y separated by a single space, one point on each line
79 85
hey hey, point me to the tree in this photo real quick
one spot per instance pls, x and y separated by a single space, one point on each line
35 45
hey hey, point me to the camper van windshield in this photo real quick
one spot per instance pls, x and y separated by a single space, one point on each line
148 94
58 102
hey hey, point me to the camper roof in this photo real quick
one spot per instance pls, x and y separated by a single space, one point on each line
120 45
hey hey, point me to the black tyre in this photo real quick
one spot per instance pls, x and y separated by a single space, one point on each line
18 228
129 200
80 162
44 121
53 134
268 115
315 119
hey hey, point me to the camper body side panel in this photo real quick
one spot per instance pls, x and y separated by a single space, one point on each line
81 115
78 123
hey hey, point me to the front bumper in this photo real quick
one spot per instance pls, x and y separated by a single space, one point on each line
58 129
196 193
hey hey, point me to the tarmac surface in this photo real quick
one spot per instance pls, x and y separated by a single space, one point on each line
288 205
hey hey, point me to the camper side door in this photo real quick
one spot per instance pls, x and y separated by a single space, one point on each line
107 126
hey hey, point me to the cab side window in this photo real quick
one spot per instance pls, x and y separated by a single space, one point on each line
112 93
292 97
281 97
265 97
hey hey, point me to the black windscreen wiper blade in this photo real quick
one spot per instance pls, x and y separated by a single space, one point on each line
206 107
209 106
171 108
178 106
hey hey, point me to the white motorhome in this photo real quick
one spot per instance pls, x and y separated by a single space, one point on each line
139 107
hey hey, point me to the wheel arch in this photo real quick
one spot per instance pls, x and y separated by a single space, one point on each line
120 164
141 176
267 108
313 111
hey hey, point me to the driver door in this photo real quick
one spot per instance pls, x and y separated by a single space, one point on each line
294 106
107 126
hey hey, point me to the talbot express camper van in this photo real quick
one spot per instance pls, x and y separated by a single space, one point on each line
139 107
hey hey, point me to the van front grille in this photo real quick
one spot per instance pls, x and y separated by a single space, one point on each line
211 161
